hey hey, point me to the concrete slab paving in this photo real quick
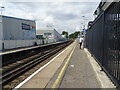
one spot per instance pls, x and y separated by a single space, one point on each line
79 73
101 75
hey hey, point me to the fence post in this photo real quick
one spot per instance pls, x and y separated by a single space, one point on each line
103 32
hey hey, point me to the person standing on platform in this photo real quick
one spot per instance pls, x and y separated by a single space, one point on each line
81 42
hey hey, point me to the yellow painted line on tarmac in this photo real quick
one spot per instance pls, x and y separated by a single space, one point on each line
63 69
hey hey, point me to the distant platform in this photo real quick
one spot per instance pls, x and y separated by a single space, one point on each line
26 48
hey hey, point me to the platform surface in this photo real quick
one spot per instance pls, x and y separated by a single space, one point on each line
79 73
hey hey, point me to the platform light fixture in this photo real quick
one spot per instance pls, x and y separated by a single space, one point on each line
84 21
1 10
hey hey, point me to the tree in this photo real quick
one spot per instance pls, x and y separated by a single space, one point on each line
65 33
74 35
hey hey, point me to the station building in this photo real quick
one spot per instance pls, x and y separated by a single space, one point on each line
50 35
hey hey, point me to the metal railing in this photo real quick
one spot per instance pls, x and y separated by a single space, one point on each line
103 41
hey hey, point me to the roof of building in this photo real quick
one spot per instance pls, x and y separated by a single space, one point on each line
17 18
45 30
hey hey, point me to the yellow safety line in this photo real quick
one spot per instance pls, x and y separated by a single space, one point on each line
63 69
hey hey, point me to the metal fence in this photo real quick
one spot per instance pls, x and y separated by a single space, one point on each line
103 41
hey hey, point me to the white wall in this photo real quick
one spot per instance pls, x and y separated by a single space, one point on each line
0 44
11 44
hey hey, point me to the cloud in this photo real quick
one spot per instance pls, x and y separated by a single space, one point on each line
61 15
49 19
55 0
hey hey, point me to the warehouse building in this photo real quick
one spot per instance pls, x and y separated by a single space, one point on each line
17 29
49 35
16 32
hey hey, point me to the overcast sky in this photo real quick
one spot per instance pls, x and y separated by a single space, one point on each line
60 15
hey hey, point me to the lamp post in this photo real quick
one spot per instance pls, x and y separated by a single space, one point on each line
1 13
1 10
82 25
1 30
84 21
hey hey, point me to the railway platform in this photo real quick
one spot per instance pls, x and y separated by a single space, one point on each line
11 56
26 48
71 68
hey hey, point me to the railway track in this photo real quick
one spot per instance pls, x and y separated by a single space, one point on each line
15 70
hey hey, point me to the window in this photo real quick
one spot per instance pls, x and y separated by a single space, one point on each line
47 34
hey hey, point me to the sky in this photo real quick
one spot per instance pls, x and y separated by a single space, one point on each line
63 15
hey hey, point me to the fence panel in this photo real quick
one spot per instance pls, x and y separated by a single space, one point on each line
111 56
95 38
103 41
